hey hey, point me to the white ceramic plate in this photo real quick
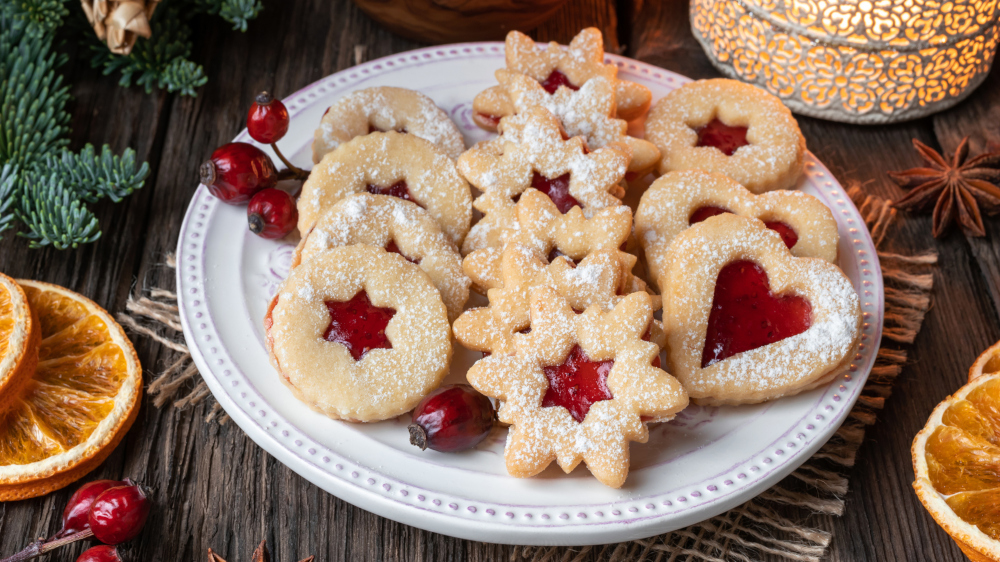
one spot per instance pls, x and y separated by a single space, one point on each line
701 464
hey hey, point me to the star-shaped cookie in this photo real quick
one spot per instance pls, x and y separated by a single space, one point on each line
607 348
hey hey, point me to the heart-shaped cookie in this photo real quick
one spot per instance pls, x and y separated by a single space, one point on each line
747 321
678 200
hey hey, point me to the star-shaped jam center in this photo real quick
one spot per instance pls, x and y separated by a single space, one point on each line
557 189
577 383
556 79
358 325
724 137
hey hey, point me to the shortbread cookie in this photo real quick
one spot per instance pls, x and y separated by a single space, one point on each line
397 164
602 278
359 334
587 112
554 66
532 153
537 225
749 322
731 128
578 387
398 226
385 108
679 199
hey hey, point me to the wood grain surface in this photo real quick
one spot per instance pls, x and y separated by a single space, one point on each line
215 488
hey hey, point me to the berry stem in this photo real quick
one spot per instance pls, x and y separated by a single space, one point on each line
297 172
40 547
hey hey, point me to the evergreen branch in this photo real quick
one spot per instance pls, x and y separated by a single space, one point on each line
183 76
236 12
52 213
46 15
8 181
92 176
34 121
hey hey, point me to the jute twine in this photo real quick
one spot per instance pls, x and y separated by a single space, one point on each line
775 523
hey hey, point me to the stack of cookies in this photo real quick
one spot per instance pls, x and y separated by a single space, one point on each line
753 306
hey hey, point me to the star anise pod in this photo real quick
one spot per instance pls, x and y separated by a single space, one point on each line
260 554
957 188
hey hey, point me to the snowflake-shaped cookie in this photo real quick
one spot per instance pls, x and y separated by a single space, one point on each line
578 62
532 143
587 112
602 278
540 434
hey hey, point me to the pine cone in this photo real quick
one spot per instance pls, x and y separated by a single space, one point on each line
119 22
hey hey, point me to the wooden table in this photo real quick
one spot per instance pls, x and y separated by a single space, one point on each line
215 488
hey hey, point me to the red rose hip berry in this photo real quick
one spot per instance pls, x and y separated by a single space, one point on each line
272 214
237 171
118 514
100 553
267 120
75 516
452 418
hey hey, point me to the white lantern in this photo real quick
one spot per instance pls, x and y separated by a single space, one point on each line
857 61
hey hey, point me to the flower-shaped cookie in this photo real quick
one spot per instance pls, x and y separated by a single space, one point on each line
399 226
555 66
532 152
578 387
385 108
677 200
747 321
602 278
535 221
769 155
587 112
397 164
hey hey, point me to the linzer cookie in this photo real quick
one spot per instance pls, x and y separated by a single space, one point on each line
747 321
531 153
396 164
359 334
578 387
385 108
398 226
678 200
556 66
535 222
587 112
602 278
731 128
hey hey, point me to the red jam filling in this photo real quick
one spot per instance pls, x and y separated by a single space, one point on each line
746 314
398 189
491 120
358 325
392 247
557 189
787 233
556 79
577 383
722 136
374 129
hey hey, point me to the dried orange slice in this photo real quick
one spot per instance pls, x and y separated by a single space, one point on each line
19 339
82 398
956 459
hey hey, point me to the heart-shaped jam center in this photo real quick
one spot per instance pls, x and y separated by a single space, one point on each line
788 235
392 247
374 129
556 79
398 189
358 325
557 189
746 314
722 136
577 383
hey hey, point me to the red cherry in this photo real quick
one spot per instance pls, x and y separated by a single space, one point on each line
118 514
237 171
75 516
100 553
267 120
272 213
452 418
